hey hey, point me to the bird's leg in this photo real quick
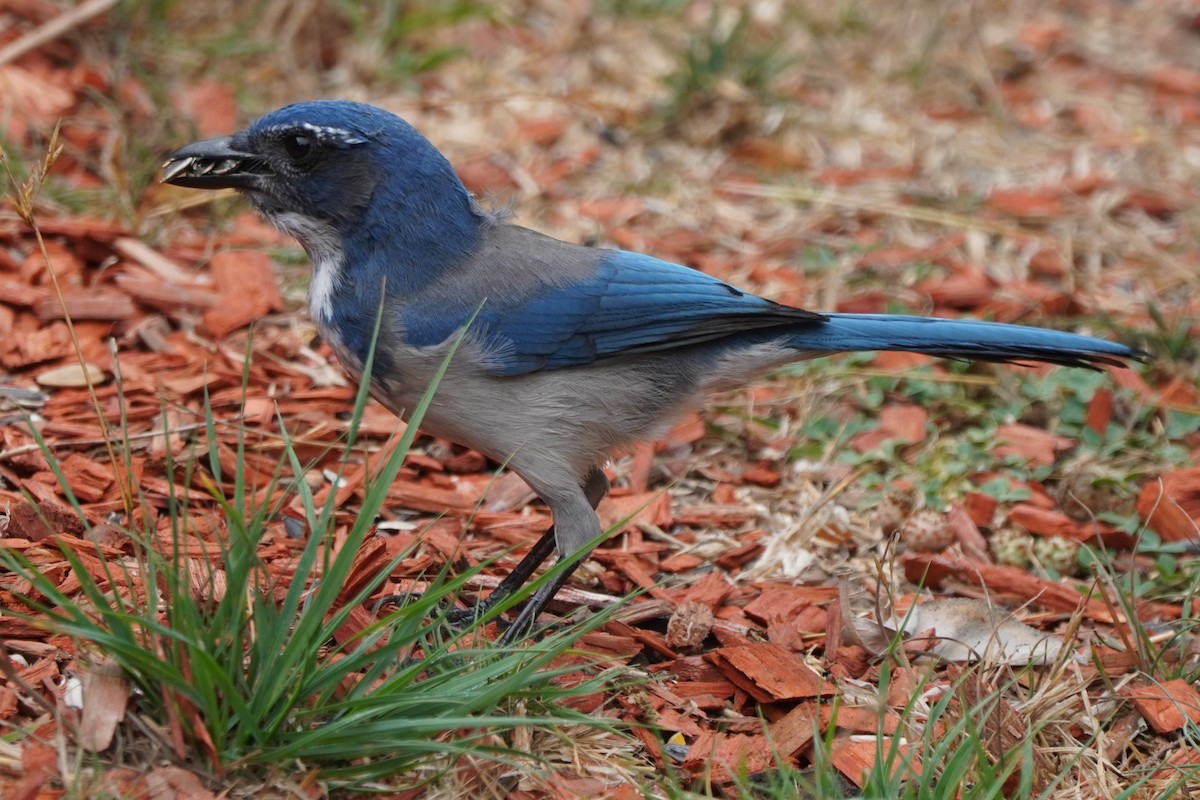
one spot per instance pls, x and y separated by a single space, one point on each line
541 598
595 486
522 572
537 555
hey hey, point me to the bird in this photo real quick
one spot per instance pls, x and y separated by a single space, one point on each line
565 353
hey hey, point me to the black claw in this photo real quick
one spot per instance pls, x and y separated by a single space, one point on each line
455 617
397 600
523 625
461 618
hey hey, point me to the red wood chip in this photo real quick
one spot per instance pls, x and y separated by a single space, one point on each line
857 758
966 529
245 280
83 304
1009 584
1170 504
1166 706
650 507
1033 444
771 673
967 288
696 506
773 605
25 348
1100 410
1180 80
88 479
20 293
980 508
711 590
1043 521
1043 203
779 601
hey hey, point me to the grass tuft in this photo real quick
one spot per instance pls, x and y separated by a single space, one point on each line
246 671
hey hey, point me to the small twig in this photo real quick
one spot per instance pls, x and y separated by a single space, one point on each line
51 30
205 199
569 595
35 447
151 259
186 427
826 497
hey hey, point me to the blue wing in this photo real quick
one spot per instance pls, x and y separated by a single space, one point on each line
630 304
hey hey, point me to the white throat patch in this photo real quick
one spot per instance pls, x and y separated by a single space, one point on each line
324 248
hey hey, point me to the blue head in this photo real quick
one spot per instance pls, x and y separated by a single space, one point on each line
376 206
347 178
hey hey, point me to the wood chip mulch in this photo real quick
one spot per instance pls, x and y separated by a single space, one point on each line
747 659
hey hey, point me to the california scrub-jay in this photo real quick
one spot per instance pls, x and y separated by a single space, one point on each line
574 351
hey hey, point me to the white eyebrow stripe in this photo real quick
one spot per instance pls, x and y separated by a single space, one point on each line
324 133
330 132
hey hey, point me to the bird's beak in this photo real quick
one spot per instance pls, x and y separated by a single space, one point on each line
214 164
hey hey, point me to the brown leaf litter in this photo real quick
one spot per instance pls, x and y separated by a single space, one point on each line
1061 141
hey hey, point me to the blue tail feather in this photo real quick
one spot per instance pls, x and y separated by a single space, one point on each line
953 338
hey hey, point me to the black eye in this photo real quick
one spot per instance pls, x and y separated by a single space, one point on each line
300 149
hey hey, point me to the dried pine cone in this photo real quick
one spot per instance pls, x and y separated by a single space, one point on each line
1011 547
927 531
1057 553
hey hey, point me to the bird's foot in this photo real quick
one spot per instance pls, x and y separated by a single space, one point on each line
462 618
458 619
